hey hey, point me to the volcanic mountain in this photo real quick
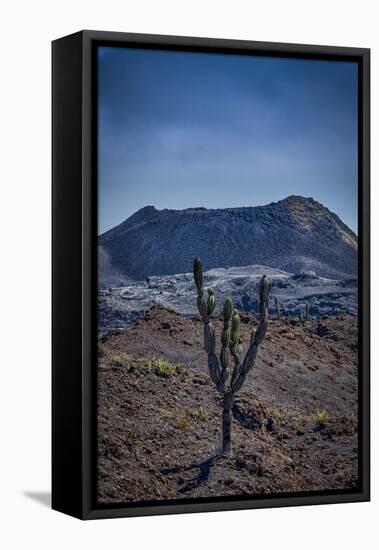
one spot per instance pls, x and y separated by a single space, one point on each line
296 234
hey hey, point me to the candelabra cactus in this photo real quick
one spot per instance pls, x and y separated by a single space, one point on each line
277 307
231 346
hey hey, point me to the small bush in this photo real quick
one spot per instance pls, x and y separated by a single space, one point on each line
200 412
100 350
164 368
119 360
321 418
273 437
182 422
351 416
129 367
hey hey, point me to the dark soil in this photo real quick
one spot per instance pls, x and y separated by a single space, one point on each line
159 436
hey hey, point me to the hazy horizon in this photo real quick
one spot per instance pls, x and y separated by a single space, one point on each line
182 130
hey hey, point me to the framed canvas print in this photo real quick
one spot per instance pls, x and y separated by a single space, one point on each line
210 274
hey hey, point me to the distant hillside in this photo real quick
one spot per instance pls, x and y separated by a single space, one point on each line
295 234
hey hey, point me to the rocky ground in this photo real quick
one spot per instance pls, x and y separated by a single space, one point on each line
159 414
120 306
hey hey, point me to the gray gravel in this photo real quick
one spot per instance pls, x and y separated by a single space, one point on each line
120 306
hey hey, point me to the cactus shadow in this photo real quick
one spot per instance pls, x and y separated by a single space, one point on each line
201 473
248 419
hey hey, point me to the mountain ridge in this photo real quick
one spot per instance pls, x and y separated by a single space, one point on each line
295 234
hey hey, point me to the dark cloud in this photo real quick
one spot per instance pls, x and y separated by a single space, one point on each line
179 129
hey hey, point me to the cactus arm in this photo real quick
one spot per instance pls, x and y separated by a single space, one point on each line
235 345
225 339
211 303
206 309
198 276
237 365
257 336
215 372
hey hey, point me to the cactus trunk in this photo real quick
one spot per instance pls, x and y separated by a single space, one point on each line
227 417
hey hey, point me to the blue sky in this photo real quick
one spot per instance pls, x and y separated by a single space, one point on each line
181 129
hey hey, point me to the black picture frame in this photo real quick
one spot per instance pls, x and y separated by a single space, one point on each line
74 205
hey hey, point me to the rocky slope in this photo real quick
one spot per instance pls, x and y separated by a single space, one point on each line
295 234
159 431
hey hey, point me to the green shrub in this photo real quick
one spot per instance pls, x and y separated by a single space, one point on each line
130 367
164 368
119 360
321 417
100 350
182 422
200 412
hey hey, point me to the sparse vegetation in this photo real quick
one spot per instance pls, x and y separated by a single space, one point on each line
231 345
274 424
200 412
277 413
182 422
164 368
272 436
119 360
321 418
100 350
130 367
122 360
352 417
